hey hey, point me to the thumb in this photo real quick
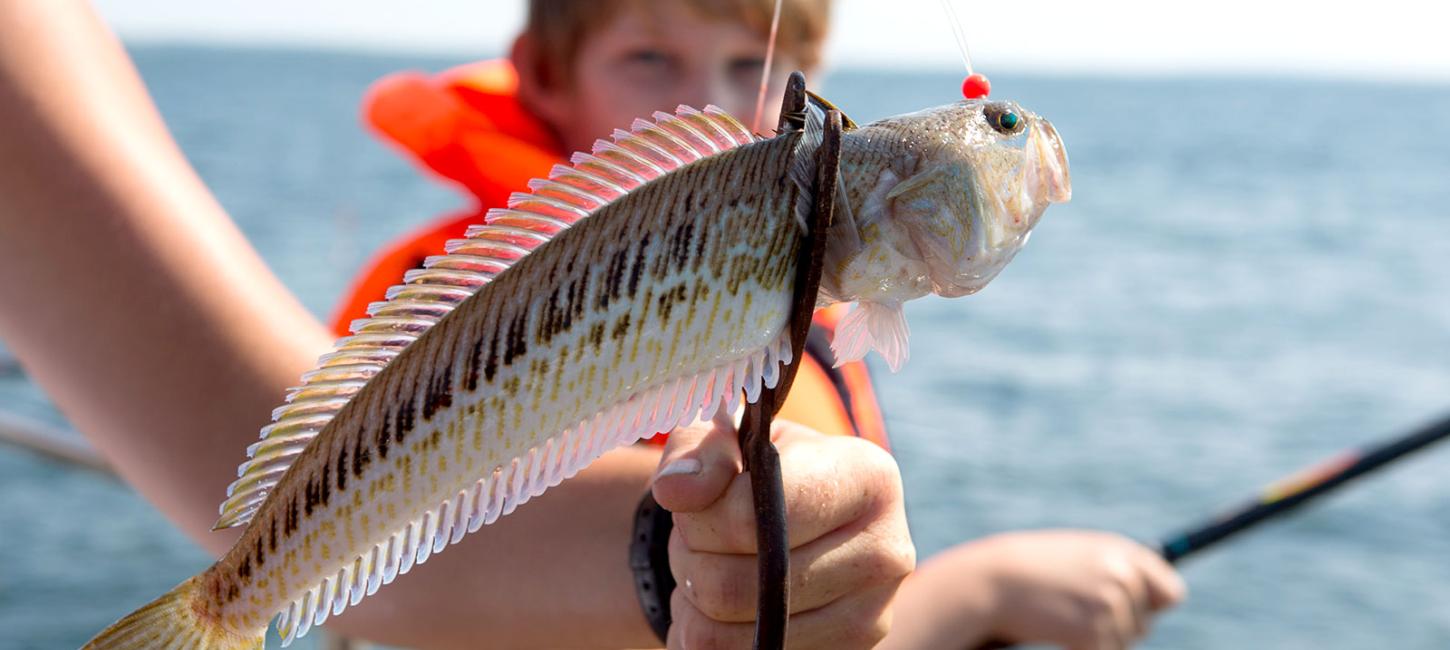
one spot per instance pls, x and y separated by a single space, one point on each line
698 463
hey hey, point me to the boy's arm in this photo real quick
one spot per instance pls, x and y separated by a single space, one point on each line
139 307
1077 589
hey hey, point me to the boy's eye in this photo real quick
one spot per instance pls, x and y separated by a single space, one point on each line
648 66
647 57
747 65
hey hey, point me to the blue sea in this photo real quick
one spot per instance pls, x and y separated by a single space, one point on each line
1253 274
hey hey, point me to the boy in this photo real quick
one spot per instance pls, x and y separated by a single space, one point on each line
580 70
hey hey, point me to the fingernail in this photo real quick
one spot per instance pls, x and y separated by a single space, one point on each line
680 466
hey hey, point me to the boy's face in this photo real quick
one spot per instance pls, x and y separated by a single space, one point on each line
656 56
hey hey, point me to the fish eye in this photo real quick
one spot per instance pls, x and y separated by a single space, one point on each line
1002 119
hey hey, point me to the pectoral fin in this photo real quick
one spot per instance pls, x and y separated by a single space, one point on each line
917 182
870 326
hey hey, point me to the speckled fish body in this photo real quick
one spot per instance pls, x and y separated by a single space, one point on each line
544 339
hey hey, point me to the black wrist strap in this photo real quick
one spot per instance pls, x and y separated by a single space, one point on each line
649 558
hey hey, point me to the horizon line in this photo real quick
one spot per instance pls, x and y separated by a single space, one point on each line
1100 69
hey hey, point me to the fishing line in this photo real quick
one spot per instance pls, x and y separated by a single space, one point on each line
961 35
975 86
765 70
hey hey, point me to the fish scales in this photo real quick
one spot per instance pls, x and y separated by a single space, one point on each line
703 255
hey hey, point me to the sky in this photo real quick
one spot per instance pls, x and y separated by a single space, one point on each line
1389 39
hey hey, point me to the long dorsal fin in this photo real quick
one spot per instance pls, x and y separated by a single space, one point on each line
645 152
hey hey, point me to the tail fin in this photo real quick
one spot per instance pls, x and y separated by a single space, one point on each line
172 621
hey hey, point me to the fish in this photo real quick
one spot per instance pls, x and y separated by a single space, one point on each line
644 285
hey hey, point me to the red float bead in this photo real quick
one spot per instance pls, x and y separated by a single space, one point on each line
976 86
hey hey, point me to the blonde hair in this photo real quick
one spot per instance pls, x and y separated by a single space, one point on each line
558 27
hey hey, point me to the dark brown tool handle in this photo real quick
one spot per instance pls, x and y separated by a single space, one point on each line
758 454
767 489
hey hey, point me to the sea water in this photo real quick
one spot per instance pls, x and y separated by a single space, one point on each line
1252 275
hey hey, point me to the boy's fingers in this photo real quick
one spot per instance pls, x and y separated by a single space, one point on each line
1121 623
857 621
698 463
725 587
1165 587
830 482
1139 610
1131 581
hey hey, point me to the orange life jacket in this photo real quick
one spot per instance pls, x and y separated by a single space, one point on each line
467 127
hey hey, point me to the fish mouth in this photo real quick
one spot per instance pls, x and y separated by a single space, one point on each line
1047 173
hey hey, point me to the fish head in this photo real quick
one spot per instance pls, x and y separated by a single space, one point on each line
937 201
985 173
958 192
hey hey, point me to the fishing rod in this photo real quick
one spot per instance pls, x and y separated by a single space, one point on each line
1289 494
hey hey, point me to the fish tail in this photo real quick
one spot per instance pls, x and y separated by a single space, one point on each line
174 621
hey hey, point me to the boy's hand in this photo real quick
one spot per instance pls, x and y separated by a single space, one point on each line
850 548
1081 590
